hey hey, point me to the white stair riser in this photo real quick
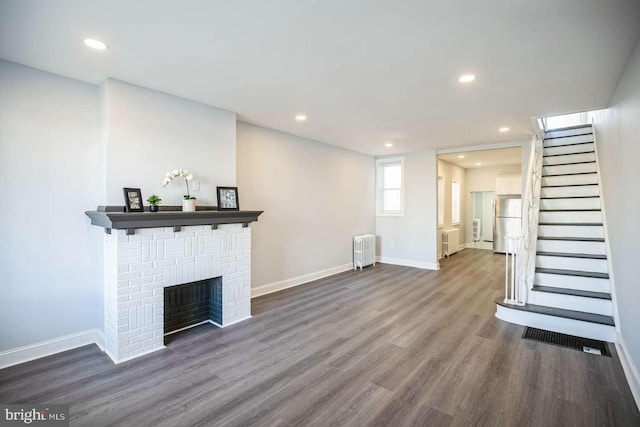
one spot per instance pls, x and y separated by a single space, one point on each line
595 231
572 302
572 282
595 248
558 181
574 158
568 140
569 217
567 263
592 203
582 191
569 132
578 168
569 149
558 324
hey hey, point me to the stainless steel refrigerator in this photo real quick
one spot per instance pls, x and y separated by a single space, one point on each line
506 221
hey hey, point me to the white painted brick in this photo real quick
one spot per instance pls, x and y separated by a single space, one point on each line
164 263
158 278
152 272
129 260
164 235
131 304
141 266
140 280
123 268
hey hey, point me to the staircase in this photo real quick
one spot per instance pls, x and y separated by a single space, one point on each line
571 292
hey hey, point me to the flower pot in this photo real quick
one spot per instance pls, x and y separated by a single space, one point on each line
153 208
189 205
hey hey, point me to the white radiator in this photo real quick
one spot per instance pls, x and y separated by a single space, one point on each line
364 250
450 241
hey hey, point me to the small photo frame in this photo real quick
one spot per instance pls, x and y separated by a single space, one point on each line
228 199
133 200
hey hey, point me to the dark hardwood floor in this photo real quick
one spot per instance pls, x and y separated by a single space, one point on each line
388 346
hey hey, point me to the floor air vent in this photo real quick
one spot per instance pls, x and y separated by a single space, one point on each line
569 341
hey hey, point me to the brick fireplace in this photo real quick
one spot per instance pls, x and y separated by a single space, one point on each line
140 263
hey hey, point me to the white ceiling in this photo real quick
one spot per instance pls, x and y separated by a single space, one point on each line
486 158
365 72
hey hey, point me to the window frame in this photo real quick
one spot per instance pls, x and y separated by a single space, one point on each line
456 206
380 165
441 200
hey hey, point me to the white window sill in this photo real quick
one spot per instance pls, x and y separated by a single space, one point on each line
399 214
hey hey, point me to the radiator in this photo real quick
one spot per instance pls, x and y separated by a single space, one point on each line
450 241
364 250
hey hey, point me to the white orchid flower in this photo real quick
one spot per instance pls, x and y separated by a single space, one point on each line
189 177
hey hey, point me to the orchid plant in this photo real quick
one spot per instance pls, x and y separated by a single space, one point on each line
182 173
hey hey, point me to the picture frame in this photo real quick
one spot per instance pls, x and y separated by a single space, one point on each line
133 200
228 199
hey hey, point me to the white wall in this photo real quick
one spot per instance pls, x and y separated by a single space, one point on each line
50 262
411 239
315 198
66 147
450 173
150 133
618 136
483 179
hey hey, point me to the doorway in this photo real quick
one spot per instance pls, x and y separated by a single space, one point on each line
482 210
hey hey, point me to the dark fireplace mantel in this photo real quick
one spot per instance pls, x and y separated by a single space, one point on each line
112 217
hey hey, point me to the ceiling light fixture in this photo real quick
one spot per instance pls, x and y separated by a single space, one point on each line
301 117
478 164
461 156
388 144
504 129
467 78
96 44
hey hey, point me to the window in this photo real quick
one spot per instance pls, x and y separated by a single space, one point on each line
390 187
441 200
455 202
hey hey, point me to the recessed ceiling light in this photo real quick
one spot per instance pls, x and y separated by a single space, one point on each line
504 129
301 117
461 156
478 164
96 44
467 78
388 144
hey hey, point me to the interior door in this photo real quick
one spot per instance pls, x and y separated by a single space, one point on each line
487 216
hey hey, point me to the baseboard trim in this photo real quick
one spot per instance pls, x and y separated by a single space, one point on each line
46 348
300 280
629 368
126 359
408 263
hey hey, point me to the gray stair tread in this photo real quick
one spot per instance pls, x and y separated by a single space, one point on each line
567 145
565 185
568 136
581 224
569 174
566 154
570 255
559 312
572 273
569 197
570 163
569 210
572 239
573 292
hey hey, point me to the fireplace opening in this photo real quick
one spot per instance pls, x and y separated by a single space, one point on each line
192 304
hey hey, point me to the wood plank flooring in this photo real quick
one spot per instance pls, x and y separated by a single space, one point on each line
388 346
